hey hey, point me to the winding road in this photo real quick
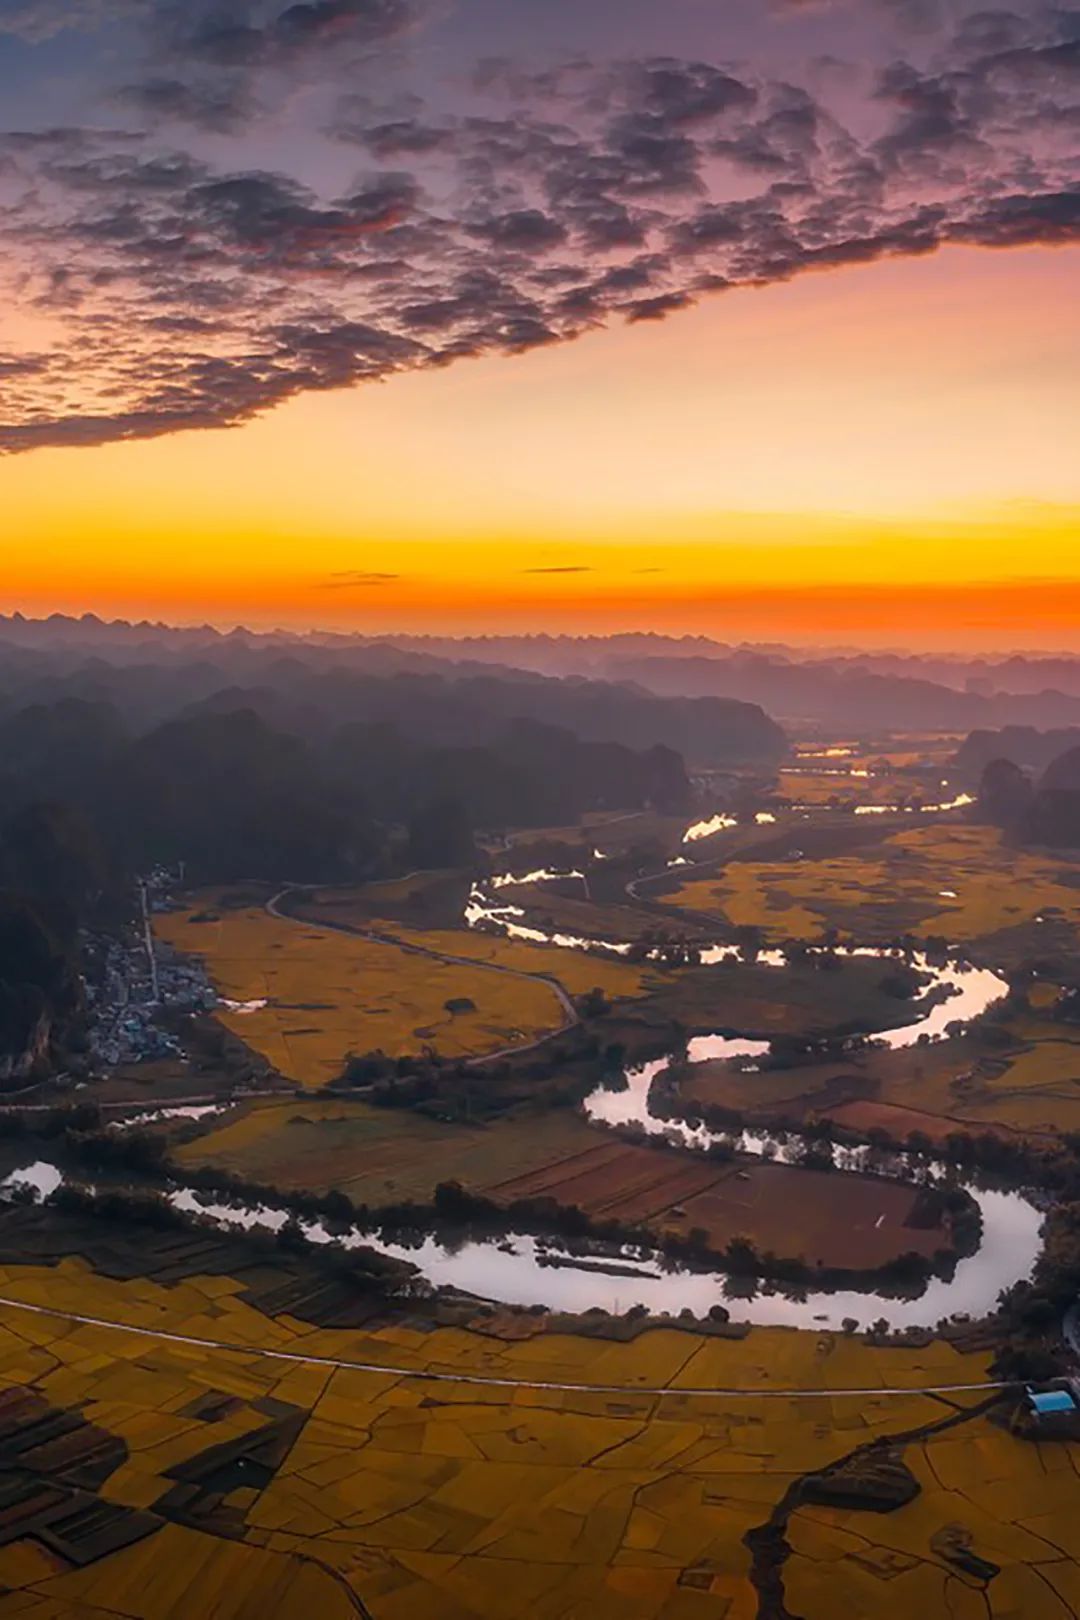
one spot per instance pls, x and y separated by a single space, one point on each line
571 1016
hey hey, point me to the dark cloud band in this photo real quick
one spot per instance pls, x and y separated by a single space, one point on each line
196 295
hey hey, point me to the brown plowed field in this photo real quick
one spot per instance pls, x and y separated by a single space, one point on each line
830 1219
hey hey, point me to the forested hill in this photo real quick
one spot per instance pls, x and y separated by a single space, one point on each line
1029 783
149 675
309 762
1023 745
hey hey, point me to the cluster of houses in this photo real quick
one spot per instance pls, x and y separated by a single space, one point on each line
136 979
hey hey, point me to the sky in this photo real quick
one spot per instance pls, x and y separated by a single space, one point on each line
585 315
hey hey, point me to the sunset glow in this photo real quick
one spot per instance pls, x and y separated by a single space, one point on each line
539 809
887 445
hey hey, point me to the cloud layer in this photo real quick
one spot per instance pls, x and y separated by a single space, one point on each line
182 280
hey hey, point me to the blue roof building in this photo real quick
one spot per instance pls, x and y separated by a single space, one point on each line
1051 1402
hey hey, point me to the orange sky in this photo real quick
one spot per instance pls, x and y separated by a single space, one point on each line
846 454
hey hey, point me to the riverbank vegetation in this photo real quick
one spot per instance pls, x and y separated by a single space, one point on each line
1015 1073
553 1172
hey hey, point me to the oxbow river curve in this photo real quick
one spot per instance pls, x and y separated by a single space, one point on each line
527 1270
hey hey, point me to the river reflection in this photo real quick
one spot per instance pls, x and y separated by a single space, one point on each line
480 910
954 991
524 1270
709 828
543 874
520 1269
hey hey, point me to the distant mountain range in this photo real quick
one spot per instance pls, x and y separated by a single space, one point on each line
151 673
838 690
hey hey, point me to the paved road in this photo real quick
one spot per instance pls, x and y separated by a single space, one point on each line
144 1105
571 1016
485 1380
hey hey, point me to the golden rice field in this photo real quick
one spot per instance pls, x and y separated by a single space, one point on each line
1012 1500
1037 1092
807 786
328 994
897 886
576 971
405 1499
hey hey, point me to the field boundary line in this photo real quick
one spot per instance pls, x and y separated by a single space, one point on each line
490 1380
570 1015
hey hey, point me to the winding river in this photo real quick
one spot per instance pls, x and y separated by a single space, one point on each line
524 1270
955 992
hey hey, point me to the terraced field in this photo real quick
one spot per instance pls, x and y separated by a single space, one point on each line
234 1485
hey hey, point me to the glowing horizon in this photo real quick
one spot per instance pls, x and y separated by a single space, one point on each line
866 429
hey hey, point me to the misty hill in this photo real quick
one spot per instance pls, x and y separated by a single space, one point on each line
231 797
845 690
1046 811
310 688
1054 816
599 656
1023 745
57 751
529 775
1005 793
842 688
54 875
829 686
285 760
470 710
845 696
844 699
232 794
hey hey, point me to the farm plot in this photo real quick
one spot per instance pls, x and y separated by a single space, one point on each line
312 995
386 1156
577 971
835 784
379 1155
611 832
848 1221
955 881
900 751
801 998
1031 1088
422 899
983 1496
306 1489
581 918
